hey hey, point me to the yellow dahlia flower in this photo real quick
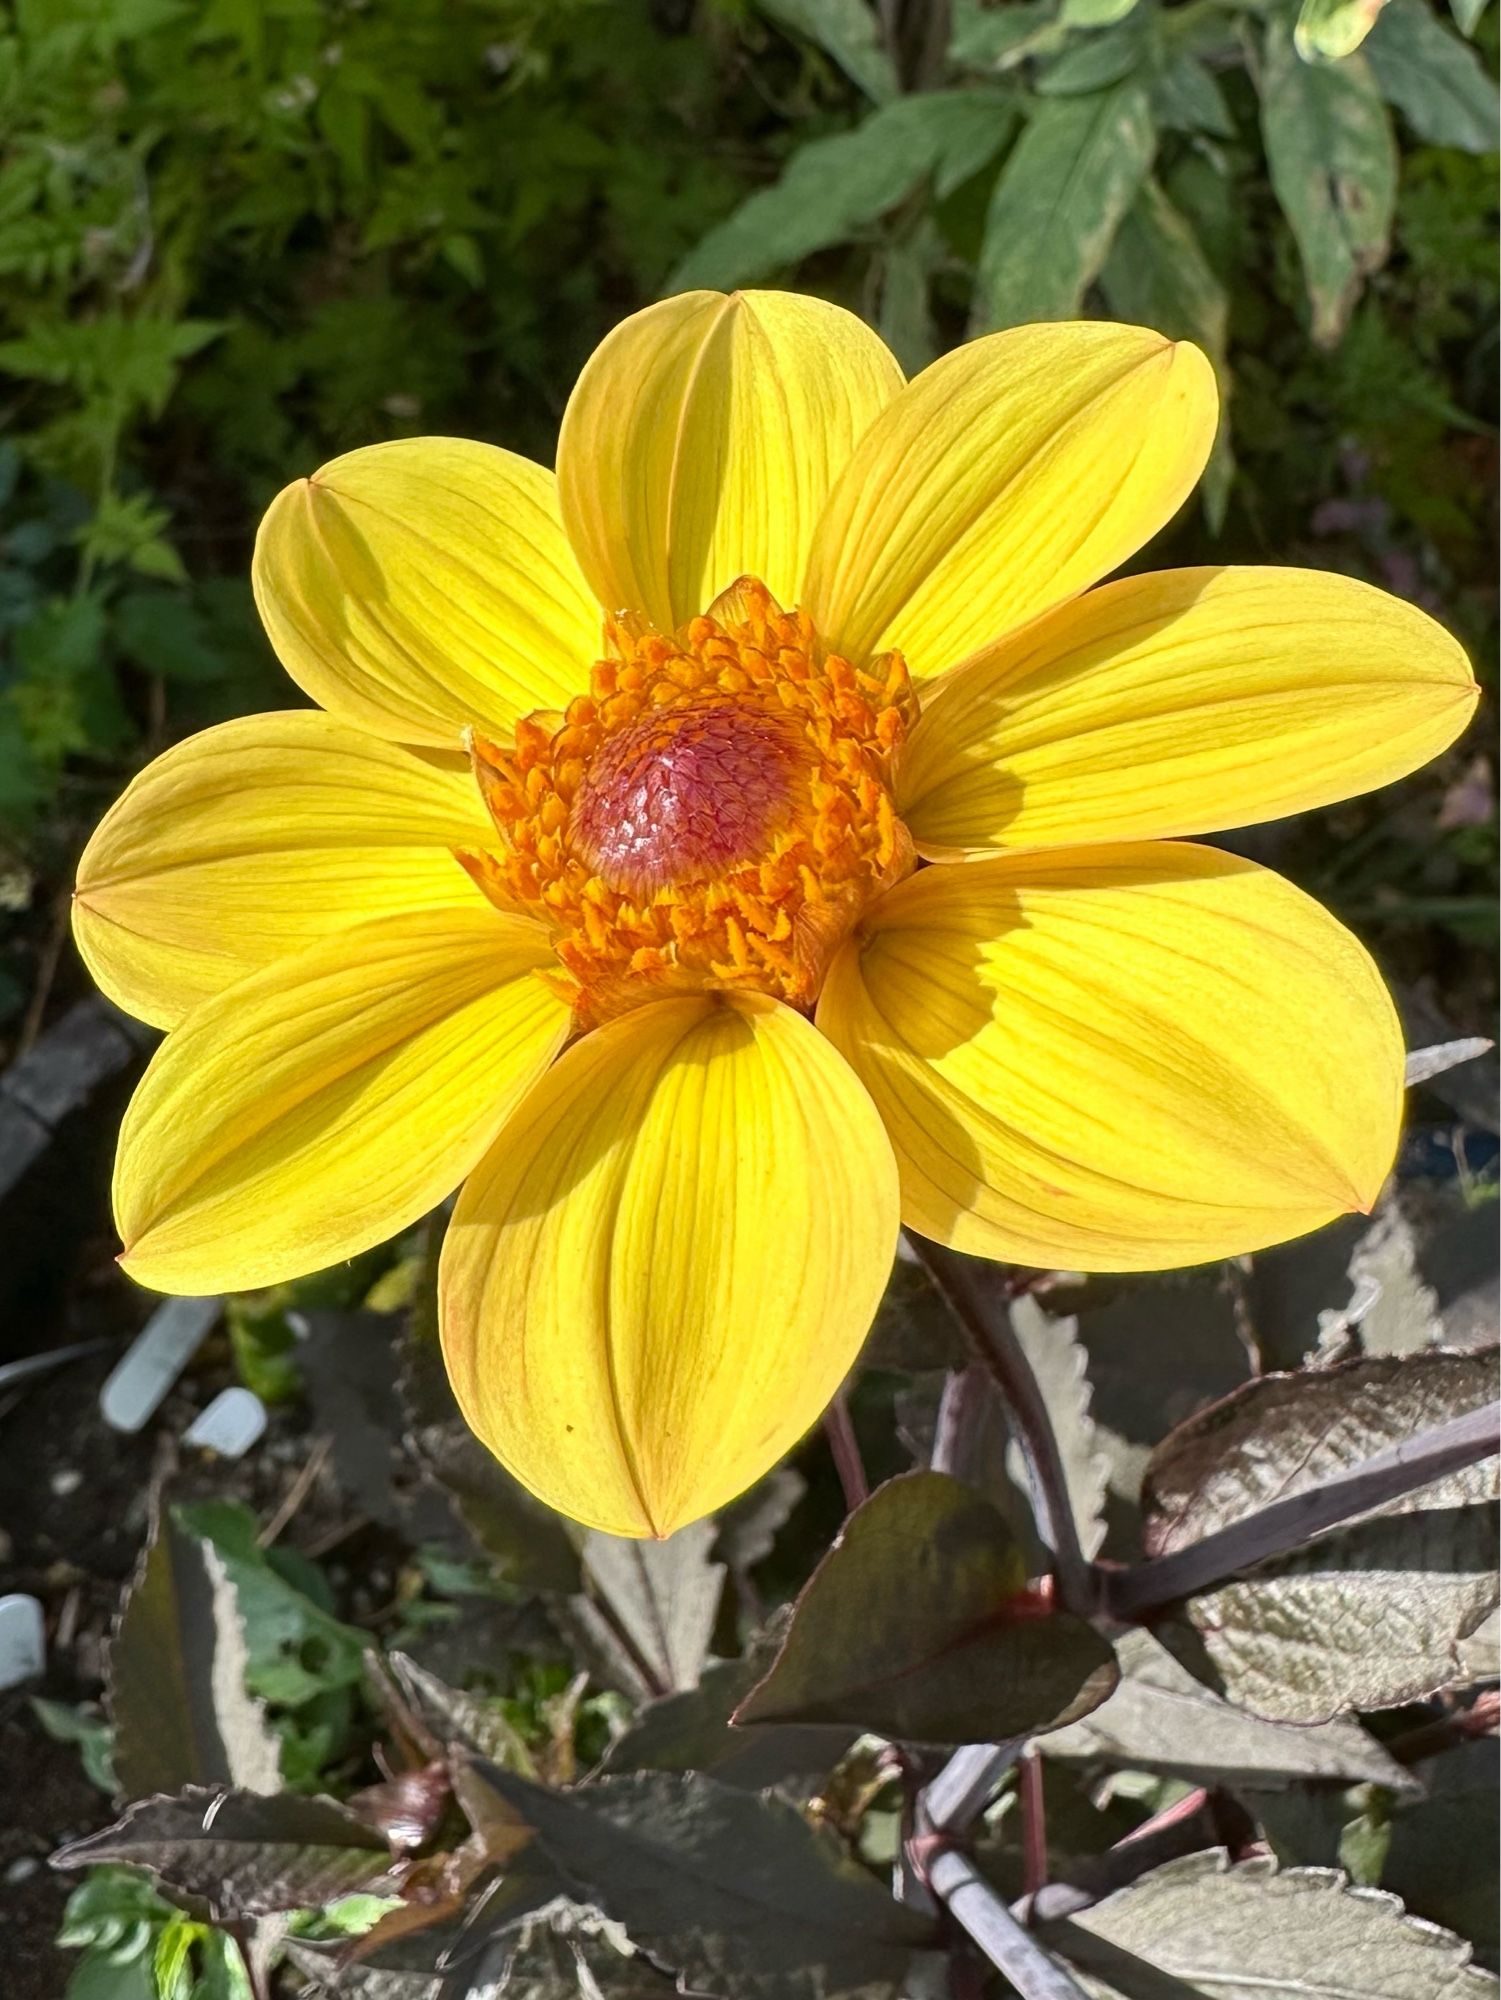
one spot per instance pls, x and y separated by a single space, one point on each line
596 880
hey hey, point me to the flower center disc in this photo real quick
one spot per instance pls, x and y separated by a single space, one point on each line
686 793
713 814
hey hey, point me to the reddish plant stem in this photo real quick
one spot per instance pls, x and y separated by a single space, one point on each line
1445 1731
961 1283
974 1905
1132 1594
845 1447
1034 1825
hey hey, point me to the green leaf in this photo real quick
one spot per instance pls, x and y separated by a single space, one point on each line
99 1978
1369 1615
833 189
129 362
1157 275
1328 30
60 679
126 529
1333 166
733 1892
1061 195
296 1650
1440 86
1468 15
164 632
1161 1719
114 1910
1094 63
1186 98
1094 13
264 1345
918 1625
89 1730
999 38
847 30
1203 1930
244 1854
171 1968
176 1676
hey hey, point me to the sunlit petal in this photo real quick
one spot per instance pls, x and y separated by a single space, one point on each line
1004 479
256 838
1182 702
416 587
660 1275
1119 1058
702 440
327 1102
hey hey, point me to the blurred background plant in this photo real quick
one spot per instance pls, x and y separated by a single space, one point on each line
239 237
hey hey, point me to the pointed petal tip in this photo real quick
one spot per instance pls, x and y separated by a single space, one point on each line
631 1195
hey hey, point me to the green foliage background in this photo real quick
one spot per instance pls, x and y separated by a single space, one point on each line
240 236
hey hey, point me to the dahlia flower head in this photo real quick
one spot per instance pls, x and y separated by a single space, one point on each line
770 830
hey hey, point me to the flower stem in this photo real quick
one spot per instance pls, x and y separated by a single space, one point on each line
1034 1825
962 1789
959 1283
845 1447
1288 1524
957 1882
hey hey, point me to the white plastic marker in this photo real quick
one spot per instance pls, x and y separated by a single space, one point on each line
231 1424
142 1376
23 1646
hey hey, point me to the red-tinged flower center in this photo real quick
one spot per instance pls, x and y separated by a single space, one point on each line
715 813
687 792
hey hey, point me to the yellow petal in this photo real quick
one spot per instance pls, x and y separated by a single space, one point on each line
327 1102
702 440
254 839
1006 478
663 1271
416 587
1183 702
1121 1058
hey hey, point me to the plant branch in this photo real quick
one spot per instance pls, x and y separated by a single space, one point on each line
1034 1824
845 1447
1011 1948
1430 1738
962 1789
958 1282
1184 1829
1288 1524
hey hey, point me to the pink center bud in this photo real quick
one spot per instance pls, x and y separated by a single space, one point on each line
686 793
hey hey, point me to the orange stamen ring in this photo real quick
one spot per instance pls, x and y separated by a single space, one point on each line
715 813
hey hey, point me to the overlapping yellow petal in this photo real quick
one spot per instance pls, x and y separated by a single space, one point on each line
1120 1058
1004 479
416 587
254 839
332 1099
702 439
1182 702
660 1275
